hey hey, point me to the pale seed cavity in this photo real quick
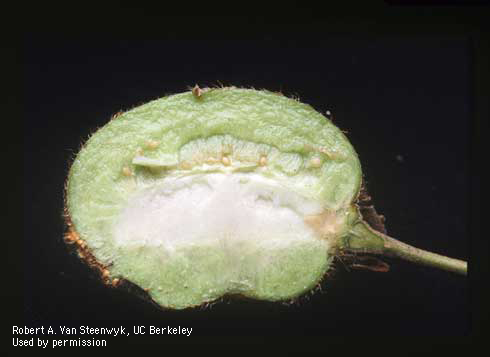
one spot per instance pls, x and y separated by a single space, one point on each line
228 151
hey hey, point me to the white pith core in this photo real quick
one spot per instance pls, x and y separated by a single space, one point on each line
217 208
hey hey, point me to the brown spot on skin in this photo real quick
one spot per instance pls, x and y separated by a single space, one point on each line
196 91
88 258
118 114
71 237
83 251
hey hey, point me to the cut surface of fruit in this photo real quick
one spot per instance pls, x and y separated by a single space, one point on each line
236 191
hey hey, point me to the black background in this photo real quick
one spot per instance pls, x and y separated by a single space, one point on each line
403 93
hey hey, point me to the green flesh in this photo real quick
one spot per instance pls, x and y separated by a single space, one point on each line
246 140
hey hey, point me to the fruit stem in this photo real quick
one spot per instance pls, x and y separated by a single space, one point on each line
363 238
401 250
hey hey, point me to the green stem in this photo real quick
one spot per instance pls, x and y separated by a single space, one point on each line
364 239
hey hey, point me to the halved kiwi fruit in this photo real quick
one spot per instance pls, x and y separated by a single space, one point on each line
223 191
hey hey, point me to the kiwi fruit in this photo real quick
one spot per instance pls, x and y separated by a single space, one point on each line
224 191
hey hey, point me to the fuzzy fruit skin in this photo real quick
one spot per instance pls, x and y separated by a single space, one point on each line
312 150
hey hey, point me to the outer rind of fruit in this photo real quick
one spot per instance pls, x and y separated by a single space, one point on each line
312 158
